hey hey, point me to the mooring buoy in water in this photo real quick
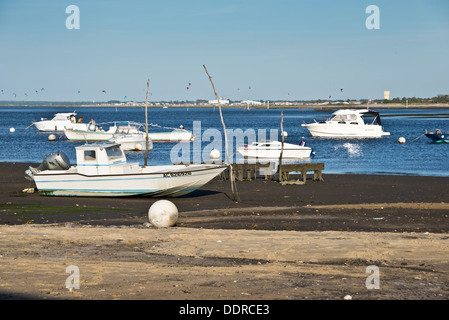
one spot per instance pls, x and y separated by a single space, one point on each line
52 137
214 154
401 140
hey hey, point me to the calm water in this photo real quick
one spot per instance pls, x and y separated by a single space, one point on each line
375 156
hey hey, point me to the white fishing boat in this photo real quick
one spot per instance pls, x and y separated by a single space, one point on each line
349 124
272 150
127 134
126 128
102 170
97 133
59 122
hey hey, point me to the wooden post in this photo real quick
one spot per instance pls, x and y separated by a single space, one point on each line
282 148
231 174
146 123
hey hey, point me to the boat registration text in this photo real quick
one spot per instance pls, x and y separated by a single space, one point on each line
177 174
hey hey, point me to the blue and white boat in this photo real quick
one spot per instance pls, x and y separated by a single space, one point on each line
103 171
438 136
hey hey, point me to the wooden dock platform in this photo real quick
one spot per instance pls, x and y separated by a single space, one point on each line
250 171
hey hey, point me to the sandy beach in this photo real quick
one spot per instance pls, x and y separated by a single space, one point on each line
291 242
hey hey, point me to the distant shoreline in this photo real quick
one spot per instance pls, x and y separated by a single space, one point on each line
263 106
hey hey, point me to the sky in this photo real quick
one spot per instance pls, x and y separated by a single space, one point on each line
253 49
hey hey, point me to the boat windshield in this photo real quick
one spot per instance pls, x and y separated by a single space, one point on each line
344 117
114 152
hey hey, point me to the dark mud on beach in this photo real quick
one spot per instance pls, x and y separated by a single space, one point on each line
341 202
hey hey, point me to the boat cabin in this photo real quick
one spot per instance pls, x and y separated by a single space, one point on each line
102 158
70 116
356 117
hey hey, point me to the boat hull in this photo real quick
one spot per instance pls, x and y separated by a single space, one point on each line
132 141
174 136
157 181
85 135
275 153
330 130
58 126
438 138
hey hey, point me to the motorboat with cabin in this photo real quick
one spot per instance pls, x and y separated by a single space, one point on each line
59 122
348 123
272 150
102 170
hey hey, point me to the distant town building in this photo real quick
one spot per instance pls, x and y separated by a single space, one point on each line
251 102
222 101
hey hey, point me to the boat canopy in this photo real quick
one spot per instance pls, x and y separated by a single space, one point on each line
374 114
355 116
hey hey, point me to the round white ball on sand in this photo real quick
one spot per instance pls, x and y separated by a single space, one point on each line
401 140
163 213
214 154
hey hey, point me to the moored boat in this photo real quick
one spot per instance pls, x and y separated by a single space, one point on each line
438 136
59 122
272 150
349 123
127 128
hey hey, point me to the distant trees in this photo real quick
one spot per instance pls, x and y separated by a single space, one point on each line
441 98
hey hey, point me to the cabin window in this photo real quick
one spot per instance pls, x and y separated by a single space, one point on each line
339 118
89 155
114 152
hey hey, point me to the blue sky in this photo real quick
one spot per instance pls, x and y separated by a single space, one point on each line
253 49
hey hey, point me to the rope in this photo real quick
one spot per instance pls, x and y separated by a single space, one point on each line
417 138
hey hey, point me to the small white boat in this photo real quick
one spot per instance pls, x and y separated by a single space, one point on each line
97 133
127 134
103 171
125 128
59 122
349 124
272 150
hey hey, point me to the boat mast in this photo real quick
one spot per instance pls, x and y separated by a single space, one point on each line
146 124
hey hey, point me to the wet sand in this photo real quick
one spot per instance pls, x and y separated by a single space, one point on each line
311 241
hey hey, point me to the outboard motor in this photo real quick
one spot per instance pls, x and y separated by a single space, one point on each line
54 161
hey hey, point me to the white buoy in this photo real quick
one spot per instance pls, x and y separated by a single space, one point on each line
52 137
163 214
285 134
12 130
214 154
138 147
401 140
